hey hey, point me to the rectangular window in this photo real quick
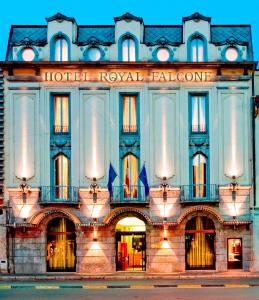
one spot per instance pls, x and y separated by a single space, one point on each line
199 114
129 119
235 254
61 114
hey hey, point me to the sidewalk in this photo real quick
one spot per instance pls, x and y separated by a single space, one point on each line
131 276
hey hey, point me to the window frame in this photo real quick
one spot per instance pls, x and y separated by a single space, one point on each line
128 36
206 96
122 132
194 36
53 42
86 54
224 52
170 51
52 114
20 53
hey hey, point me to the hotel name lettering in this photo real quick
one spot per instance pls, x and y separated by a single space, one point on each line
112 77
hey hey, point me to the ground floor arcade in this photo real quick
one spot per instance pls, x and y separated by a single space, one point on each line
129 241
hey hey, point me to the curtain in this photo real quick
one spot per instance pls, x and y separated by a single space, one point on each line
199 176
60 247
61 177
128 50
129 114
61 50
61 114
130 176
201 250
197 48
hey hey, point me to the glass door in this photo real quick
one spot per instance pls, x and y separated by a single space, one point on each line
130 251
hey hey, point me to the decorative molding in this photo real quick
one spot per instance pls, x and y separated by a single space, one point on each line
163 41
27 42
196 17
59 17
93 41
114 214
41 215
202 208
128 17
232 41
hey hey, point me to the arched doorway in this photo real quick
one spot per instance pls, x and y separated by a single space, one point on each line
61 246
200 244
130 244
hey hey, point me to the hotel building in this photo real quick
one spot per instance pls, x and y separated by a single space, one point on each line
163 113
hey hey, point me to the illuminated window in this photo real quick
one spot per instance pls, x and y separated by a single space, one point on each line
231 54
129 114
128 50
61 49
199 166
197 50
28 54
61 114
61 177
163 54
61 246
130 176
200 243
199 112
94 54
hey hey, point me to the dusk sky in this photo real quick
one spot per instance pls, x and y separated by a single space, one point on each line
31 12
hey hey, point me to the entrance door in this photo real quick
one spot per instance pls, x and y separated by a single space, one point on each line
130 245
131 251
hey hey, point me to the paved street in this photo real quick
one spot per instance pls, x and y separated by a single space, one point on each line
144 293
209 289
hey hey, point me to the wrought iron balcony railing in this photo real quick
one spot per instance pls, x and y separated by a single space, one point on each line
60 129
199 193
59 194
128 194
133 129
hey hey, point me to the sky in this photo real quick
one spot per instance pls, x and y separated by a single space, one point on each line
91 12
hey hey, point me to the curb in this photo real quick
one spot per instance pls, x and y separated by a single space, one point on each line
181 286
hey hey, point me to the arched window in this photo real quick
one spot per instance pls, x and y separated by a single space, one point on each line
130 176
61 49
128 49
199 243
61 245
61 165
197 49
199 166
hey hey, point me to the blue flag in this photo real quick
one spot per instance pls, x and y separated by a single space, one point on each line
143 177
112 176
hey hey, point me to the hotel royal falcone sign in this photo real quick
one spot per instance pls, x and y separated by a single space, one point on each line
126 76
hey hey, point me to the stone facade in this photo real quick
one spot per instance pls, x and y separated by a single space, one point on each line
164 143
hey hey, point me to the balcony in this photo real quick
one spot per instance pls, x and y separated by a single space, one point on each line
130 129
59 195
134 194
60 129
199 193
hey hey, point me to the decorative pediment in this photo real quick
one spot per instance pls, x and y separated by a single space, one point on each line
196 17
60 18
128 17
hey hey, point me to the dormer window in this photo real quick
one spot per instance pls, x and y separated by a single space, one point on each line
28 54
61 49
231 54
197 50
128 49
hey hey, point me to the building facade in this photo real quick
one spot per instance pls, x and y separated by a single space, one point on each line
162 114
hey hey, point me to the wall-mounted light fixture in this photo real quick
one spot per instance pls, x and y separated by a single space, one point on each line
164 185
234 187
25 189
94 189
